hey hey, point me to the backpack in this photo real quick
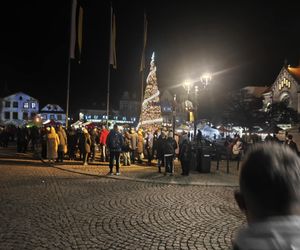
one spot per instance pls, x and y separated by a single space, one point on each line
115 142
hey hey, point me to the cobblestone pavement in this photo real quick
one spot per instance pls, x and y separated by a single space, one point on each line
44 207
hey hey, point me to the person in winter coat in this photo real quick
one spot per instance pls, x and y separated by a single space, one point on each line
85 145
52 145
291 144
185 154
169 147
140 146
160 142
102 141
72 143
94 136
126 149
149 146
62 146
269 196
134 138
115 143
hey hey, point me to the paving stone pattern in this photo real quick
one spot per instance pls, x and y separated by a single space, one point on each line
42 207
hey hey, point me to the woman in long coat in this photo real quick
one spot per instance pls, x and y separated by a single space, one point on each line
140 146
52 145
85 145
62 147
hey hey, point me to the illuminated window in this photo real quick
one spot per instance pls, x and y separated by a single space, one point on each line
15 115
26 105
33 105
7 104
52 117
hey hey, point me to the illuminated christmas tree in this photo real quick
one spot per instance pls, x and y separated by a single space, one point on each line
150 117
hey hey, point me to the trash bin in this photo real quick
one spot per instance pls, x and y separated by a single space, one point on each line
205 160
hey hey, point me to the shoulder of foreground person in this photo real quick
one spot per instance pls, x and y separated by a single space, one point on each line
274 234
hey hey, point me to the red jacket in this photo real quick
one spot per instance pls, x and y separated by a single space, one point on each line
103 136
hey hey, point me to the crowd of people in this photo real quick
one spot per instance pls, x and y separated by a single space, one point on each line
127 146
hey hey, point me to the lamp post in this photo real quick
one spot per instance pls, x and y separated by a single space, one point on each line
188 85
174 114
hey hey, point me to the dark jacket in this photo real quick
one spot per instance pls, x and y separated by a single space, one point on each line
115 141
169 146
185 151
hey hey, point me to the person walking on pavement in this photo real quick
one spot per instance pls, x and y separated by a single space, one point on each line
114 143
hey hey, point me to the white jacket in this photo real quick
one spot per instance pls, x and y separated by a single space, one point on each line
274 234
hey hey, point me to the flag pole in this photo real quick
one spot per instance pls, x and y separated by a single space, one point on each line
68 93
73 6
142 68
71 53
109 62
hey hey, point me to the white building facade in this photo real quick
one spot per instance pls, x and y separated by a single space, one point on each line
53 112
18 108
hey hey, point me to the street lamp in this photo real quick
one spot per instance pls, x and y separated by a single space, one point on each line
205 79
188 84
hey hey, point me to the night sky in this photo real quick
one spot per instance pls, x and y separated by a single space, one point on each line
241 44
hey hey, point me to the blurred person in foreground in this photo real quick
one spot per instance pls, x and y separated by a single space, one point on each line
269 196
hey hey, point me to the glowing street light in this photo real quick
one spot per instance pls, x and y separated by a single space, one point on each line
205 79
187 84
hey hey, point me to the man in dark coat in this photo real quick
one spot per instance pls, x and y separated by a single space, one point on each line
185 155
115 143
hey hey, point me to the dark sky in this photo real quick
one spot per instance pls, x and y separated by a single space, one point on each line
246 42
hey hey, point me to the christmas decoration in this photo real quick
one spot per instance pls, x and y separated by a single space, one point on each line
150 117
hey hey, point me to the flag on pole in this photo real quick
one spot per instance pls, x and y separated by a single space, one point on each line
112 53
76 31
142 67
79 34
73 30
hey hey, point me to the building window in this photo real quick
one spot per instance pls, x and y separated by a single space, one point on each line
44 117
26 105
59 117
7 115
15 115
7 104
33 105
25 116
52 117
15 104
